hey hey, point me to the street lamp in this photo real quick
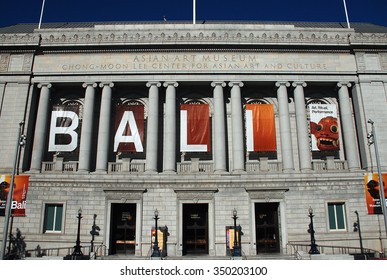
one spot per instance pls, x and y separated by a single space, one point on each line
372 140
77 248
356 227
313 245
20 143
156 250
237 251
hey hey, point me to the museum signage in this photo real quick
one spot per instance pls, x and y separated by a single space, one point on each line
194 62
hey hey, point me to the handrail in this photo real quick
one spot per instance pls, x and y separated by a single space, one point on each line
99 250
326 249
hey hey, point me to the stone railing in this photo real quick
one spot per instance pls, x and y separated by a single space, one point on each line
195 166
58 165
330 164
126 165
263 165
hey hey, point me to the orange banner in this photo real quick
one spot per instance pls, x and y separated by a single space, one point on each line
371 181
18 206
260 128
194 128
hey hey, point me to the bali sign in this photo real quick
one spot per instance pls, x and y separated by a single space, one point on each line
18 204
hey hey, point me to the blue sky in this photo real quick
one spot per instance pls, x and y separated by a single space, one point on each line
28 11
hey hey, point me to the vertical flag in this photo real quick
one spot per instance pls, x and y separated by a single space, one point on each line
371 181
260 128
18 204
194 128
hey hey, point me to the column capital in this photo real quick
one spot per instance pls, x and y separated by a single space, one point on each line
218 83
170 83
235 83
296 84
47 85
282 83
85 85
109 84
339 84
153 83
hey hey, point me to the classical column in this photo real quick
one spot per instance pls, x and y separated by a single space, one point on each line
170 128
285 128
87 128
41 127
152 127
237 127
219 128
348 128
104 127
302 127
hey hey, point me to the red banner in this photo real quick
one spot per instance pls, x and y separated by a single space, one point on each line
260 128
195 128
18 206
371 181
129 127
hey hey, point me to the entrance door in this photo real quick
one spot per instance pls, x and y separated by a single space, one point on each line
267 231
195 228
123 228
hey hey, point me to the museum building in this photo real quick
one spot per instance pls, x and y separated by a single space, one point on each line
195 120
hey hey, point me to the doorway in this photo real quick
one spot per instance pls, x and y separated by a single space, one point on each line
123 228
195 228
267 227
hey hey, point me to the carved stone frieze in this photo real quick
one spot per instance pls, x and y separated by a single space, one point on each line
4 62
195 194
268 194
192 36
19 39
124 194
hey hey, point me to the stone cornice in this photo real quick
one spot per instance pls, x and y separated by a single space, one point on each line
182 34
186 34
19 40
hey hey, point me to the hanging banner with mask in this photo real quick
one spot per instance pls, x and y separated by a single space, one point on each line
194 128
18 205
260 128
324 127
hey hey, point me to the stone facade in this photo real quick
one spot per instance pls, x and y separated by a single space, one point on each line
226 66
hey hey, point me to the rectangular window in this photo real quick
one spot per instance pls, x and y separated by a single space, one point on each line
336 213
53 214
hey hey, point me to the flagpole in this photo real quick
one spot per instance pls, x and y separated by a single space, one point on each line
346 13
194 12
41 15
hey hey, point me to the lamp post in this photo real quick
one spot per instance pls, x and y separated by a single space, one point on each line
372 140
77 248
156 250
236 251
356 227
313 245
20 143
